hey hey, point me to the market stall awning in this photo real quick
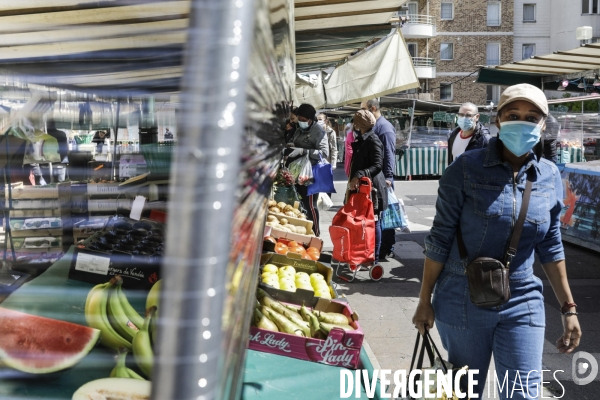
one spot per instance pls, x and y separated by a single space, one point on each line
329 32
548 70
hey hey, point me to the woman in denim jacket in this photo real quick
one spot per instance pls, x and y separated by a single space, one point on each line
482 192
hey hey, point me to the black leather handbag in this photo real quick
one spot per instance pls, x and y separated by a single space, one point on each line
488 277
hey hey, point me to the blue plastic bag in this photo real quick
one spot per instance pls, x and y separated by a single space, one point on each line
393 217
323 178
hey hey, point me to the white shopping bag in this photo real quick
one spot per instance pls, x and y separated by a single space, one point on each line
324 202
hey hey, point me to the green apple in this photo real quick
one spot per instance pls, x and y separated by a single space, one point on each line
268 274
302 275
270 268
289 269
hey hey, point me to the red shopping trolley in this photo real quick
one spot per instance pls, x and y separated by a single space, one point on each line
352 232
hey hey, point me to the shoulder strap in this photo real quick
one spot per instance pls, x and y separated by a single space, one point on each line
516 235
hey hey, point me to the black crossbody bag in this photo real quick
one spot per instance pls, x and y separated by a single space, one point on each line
488 277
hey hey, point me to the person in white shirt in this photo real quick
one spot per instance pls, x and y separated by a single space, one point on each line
470 133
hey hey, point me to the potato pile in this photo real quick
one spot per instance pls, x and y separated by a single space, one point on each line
283 224
284 209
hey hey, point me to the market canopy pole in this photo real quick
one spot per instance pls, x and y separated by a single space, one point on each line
114 157
204 181
412 117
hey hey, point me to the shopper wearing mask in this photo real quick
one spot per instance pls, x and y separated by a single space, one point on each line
309 139
481 193
470 133
367 161
386 133
291 125
350 138
331 137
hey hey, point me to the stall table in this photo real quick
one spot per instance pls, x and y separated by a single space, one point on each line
421 161
53 295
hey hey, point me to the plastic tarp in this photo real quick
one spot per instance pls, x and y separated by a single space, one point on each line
310 92
384 68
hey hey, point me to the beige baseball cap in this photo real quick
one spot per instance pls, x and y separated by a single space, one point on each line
526 92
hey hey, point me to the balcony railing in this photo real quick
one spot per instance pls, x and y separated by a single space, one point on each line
420 19
423 62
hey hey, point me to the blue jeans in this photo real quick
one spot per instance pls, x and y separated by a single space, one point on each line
513 333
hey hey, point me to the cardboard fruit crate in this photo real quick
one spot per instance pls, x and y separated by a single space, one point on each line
340 348
307 224
300 295
307 241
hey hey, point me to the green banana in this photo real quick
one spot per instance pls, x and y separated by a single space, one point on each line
153 296
332 318
117 315
154 328
284 324
121 370
142 346
95 316
133 315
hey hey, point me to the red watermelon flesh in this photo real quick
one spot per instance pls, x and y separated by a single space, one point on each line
41 345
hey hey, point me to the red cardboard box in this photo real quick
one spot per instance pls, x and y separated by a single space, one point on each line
340 348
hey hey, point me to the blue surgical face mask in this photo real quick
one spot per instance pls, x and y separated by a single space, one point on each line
519 137
466 124
321 123
303 124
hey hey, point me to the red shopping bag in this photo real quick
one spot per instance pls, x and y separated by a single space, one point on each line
352 230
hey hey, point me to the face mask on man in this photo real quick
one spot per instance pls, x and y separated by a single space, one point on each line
466 124
519 137
303 124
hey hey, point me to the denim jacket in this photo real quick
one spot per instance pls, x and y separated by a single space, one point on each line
478 191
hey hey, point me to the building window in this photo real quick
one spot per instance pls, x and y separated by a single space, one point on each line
493 13
528 51
493 94
492 54
413 49
528 12
445 91
447 51
447 10
589 6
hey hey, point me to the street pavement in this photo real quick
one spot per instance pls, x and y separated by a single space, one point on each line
386 307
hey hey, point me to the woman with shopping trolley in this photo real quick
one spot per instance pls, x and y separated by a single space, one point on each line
367 161
496 207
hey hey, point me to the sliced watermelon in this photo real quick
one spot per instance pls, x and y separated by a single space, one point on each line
41 345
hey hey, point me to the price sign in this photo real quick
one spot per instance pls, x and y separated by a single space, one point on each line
439 116
410 111
450 117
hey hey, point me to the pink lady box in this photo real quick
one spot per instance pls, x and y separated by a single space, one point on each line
340 348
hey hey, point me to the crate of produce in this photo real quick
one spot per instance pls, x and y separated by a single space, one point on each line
131 249
328 333
19 191
303 283
305 240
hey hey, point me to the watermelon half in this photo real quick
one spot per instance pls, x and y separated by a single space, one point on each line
39 345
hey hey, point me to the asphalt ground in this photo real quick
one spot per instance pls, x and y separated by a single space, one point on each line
386 307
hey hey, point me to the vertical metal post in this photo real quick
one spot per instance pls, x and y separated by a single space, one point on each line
114 157
204 180
412 117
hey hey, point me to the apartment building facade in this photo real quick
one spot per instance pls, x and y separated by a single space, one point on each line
450 39
545 26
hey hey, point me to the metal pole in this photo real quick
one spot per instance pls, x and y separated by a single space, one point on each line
114 157
204 180
412 117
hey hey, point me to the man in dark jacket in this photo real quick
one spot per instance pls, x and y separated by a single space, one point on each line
367 161
470 133
386 133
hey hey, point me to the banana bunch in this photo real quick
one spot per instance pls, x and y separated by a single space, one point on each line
269 314
107 309
121 370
